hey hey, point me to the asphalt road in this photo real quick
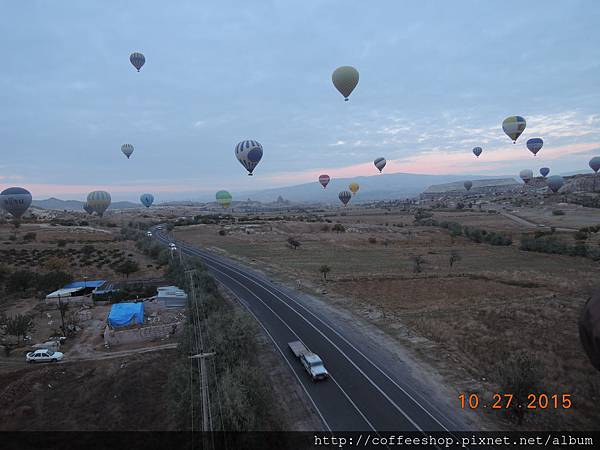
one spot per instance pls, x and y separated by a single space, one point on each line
360 395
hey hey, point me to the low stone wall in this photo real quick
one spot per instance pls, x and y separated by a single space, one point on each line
141 334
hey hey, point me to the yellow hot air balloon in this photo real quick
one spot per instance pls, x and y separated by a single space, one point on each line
354 187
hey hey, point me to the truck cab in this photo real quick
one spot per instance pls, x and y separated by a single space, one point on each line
311 362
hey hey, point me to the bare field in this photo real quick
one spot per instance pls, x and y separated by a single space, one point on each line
465 320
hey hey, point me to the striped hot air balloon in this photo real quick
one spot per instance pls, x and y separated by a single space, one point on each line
137 59
249 153
345 197
514 126
99 201
380 163
324 180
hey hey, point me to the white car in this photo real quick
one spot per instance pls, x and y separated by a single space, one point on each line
149 234
172 246
44 355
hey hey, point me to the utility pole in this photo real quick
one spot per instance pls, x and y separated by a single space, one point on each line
205 418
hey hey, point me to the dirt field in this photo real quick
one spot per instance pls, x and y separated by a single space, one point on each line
116 394
465 320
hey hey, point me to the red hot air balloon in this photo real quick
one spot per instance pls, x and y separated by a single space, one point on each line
324 180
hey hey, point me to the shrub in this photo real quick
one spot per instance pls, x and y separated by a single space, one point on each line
372 240
558 212
339 228
28 237
61 243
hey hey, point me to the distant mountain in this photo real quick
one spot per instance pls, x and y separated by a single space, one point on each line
377 187
459 186
76 205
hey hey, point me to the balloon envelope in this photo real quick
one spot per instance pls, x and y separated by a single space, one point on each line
324 180
477 151
249 153
345 197
595 163
468 185
223 198
345 79
147 200
535 145
15 200
555 182
127 150
380 163
526 175
589 329
514 126
137 59
544 171
99 201
354 187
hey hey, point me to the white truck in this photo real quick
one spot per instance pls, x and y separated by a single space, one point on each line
311 362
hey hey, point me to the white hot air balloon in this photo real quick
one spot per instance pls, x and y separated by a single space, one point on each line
249 154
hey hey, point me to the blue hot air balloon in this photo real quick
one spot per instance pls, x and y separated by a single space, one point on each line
147 200
544 171
535 145
555 182
15 200
249 153
477 151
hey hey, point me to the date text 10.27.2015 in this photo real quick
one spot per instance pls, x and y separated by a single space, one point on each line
508 401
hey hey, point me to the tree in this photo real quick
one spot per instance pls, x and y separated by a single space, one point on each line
293 243
324 269
339 228
88 250
19 326
127 268
417 264
56 263
454 257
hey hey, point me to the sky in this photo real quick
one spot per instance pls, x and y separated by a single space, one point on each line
436 79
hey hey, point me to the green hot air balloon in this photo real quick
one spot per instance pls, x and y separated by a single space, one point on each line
223 199
345 79
514 126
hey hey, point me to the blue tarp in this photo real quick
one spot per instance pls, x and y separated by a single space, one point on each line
87 283
123 314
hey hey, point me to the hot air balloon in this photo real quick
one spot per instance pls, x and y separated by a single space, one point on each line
468 185
223 198
147 200
477 151
555 182
324 180
127 150
595 163
526 175
535 145
15 200
249 154
99 201
544 171
380 163
345 197
513 126
345 79
137 59
87 208
354 187
589 329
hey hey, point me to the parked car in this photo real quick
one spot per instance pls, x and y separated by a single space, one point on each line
44 355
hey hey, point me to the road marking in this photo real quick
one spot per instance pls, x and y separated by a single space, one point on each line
384 394
297 337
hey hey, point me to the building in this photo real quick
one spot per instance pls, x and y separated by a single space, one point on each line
171 297
76 292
